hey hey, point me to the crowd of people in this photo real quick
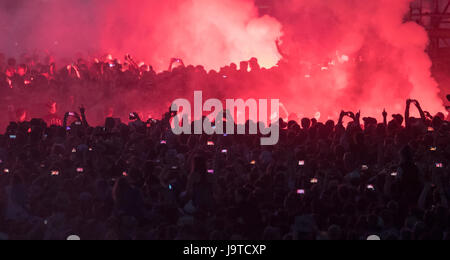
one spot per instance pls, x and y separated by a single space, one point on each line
34 87
65 176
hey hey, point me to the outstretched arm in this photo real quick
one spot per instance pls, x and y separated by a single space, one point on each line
77 71
385 114
408 106
173 60
83 117
133 64
341 117
428 115
135 116
422 114
66 115
356 118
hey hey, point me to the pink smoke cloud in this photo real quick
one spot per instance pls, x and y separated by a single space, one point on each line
392 67
212 33
354 54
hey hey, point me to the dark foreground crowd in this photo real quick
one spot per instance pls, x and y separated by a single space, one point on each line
61 176
140 181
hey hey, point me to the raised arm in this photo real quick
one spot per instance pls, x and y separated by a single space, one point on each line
422 114
341 117
135 116
66 115
133 65
173 60
356 118
408 106
428 115
83 117
385 114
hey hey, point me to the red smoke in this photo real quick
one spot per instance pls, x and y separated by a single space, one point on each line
212 33
344 54
388 63
377 61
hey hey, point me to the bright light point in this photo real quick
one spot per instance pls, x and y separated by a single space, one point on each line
73 238
373 238
317 116
344 58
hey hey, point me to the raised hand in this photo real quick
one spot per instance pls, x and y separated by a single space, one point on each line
77 116
136 115
351 115
82 109
73 114
428 114
173 60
